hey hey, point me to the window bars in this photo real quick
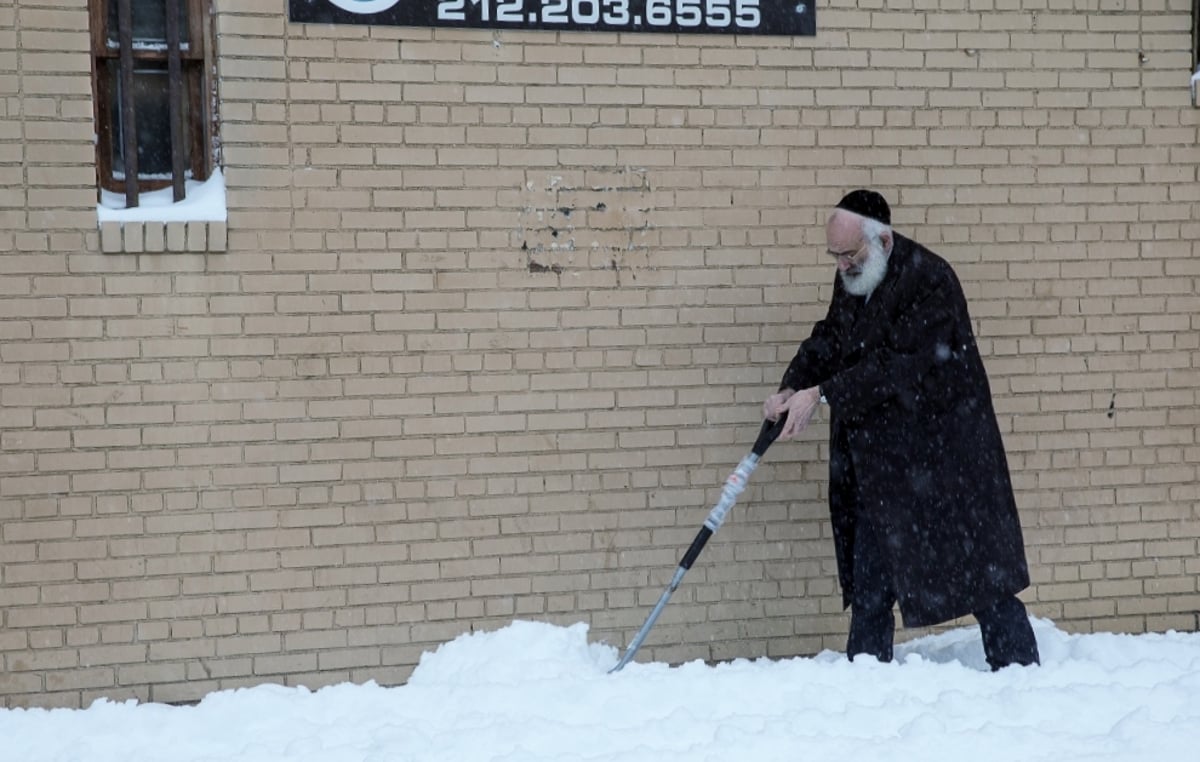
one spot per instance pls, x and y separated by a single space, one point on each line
1196 53
1195 35
150 60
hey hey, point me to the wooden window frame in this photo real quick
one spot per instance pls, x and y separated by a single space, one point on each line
196 59
1195 35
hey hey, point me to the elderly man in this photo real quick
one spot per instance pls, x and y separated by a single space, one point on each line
919 493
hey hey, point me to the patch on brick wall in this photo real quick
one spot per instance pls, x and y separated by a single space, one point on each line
592 220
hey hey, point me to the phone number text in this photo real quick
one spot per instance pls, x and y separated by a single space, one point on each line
669 15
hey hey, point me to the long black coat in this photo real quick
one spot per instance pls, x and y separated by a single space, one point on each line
914 442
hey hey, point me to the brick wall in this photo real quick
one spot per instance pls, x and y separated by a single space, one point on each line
497 313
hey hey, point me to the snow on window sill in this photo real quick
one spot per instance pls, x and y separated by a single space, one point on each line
196 224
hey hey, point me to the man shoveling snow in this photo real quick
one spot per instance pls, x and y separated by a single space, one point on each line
919 492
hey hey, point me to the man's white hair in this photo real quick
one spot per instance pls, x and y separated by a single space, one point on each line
873 231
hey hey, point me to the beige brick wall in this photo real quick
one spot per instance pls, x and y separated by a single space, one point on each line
497 313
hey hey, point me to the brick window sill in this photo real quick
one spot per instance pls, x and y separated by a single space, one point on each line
162 237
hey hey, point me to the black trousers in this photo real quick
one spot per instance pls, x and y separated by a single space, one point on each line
1004 626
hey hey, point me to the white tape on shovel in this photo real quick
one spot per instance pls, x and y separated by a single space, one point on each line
734 486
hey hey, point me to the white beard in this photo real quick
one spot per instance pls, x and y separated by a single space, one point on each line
861 281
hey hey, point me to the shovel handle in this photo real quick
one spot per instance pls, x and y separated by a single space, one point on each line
768 434
698 544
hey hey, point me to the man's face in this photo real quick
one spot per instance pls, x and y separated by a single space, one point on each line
861 265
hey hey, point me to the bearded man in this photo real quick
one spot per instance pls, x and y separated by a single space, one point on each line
919 492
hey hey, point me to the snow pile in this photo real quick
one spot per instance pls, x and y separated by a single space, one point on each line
205 202
534 692
522 652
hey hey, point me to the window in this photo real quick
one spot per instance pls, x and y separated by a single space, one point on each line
1196 53
151 69
1195 35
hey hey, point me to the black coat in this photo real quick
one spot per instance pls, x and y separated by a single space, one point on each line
914 444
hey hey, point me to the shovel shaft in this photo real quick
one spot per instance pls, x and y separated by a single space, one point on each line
636 643
734 485
697 545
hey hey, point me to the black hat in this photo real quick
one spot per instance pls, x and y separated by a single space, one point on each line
867 203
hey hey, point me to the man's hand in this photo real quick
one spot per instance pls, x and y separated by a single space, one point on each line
800 406
776 403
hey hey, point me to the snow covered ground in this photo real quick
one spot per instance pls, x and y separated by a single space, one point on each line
534 692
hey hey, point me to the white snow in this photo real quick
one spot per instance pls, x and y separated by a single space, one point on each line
205 202
533 692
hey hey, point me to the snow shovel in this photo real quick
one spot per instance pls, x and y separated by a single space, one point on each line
734 485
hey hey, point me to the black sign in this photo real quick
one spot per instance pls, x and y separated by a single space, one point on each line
767 17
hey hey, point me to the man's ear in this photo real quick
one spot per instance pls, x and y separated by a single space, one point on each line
885 238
